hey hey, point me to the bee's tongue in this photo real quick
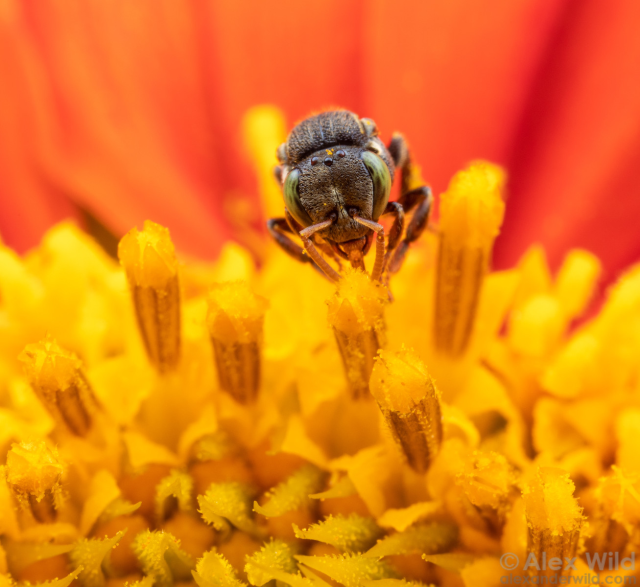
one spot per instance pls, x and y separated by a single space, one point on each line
354 250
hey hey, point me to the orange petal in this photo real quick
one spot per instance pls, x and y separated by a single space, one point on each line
574 165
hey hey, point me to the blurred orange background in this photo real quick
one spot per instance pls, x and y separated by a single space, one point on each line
122 110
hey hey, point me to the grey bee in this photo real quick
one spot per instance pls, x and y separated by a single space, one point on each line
336 176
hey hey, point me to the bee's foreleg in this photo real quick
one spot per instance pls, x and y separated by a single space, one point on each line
313 253
378 265
279 229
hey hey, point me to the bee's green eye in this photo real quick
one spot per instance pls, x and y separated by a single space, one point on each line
292 199
381 177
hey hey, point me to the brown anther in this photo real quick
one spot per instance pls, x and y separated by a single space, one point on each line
471 212
410 403
149 260
57 378
44 511
356 315
554 522
34 471
236 322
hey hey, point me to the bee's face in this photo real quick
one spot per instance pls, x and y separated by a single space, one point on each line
337 183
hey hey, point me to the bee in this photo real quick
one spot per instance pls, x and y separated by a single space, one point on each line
336 176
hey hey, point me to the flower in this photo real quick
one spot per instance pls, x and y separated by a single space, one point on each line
223 424
131 112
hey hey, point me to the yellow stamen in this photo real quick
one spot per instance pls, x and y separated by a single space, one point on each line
356 315
236 323
617 518
149 260
410 404
34 471
554 520
489 482
58 380
471 212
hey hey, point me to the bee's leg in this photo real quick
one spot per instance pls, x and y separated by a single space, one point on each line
324 246
309 245
277 228
397 228
399 151
421 200
413 195
378 265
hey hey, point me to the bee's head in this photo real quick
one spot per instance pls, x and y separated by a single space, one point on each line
337 183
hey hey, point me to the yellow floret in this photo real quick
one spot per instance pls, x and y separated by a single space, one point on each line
60 384
348 534
400 380
471 212
550 503
410 404
229 502
350 570
357 305
34 467
90 554
488 480
472 208
275 555
50 367
293 493
214 570
148 257
236 314
619 495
